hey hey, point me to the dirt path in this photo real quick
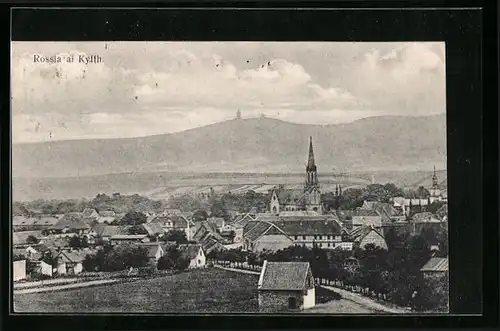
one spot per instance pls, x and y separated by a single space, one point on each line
239 270
44 282
367 302
67 286
354 297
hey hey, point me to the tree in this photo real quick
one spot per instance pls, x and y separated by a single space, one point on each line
95 261
435 206
376 192
423 193
200 216
32 240
133 218
173 260
178 236
49 258
393 191
78 242
218 209
351 199
18 257
136 229
124 256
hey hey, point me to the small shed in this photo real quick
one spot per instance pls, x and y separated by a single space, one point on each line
286 286
436 267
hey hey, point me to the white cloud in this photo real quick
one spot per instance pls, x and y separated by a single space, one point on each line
153 88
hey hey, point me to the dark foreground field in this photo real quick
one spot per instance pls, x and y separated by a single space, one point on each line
199 291
203 291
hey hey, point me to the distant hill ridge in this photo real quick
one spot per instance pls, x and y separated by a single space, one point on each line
247 145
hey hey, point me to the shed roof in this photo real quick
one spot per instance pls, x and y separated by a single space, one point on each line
284 276
436 264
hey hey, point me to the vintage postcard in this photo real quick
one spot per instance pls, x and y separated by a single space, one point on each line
229 177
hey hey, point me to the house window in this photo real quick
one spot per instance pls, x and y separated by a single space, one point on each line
296 237
320 237
199 261
329 237
315 237
304 237
328 244
320 245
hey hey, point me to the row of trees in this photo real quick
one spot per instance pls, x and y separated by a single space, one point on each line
116 258
394 273
125 256
102 202
354 197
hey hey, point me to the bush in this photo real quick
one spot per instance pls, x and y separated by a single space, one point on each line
173 260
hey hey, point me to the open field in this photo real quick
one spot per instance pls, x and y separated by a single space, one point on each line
207 291
199 291
161 185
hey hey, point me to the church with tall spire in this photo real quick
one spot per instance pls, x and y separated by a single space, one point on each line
308 199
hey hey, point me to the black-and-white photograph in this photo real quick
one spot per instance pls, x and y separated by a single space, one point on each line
229 177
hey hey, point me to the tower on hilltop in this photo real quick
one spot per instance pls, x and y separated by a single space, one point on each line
238 115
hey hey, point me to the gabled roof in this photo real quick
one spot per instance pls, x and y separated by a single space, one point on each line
172 211
21 220
71 221
74 256
19 238
107 213
128 236
289 196
436 264
209 243
190 250
359 233
218 221
178 221
257 230
152 248
299 213
443 211
88 212
54 243
210 228
284 276
109 230
385 210
309 227
422 217
153 229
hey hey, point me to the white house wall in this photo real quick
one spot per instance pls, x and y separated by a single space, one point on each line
310 298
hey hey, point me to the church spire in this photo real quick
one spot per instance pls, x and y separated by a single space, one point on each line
311 169
311 165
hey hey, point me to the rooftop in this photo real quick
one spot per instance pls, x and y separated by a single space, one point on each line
284 276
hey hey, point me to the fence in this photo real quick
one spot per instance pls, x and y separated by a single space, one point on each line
237 265
365 291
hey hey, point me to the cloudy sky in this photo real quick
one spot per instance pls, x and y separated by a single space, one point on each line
146 88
